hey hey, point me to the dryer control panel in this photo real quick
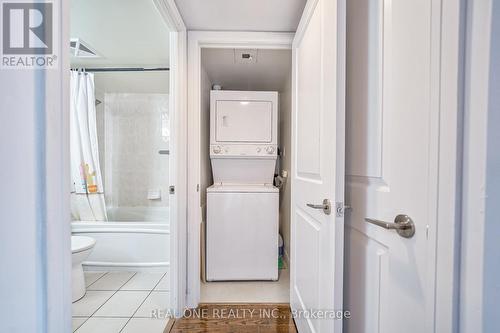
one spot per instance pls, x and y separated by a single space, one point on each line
243 150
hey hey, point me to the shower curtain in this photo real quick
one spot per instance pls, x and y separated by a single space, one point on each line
87 196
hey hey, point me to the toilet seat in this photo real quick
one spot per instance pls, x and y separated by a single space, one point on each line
81 243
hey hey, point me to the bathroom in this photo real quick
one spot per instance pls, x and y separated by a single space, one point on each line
121 155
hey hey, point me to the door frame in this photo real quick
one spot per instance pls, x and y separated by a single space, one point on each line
177 172
56 235
479 271
448 67
196 41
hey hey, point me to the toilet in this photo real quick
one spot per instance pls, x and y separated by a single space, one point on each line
81 246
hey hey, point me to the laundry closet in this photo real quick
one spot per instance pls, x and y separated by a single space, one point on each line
245 132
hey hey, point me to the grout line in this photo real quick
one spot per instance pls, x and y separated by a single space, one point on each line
141 289
83 322
108 316
124 283
95 280
109 297
156 285
170 325
150 292
87 318
114 293
92 315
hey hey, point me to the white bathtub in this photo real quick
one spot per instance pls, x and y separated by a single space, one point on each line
133 238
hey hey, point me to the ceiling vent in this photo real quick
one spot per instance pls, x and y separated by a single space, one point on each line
81 49
242 56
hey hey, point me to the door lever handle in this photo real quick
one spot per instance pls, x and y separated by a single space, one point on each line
403 224
326 206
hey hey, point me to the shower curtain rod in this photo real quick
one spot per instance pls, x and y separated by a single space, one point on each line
122 69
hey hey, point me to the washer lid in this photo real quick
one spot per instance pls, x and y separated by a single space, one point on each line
242 188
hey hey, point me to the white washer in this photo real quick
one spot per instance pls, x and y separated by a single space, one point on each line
242 232
242 205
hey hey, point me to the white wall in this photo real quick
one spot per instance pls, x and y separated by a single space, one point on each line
101 132
134 134
34 201
480 264
22 308
129 136
206 167
285 143
492 202
269 73
206 178
132 82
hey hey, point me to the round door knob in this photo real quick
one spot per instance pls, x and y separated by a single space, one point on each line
216 150
270 150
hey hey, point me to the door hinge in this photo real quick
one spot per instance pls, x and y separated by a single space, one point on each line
340 209
171 189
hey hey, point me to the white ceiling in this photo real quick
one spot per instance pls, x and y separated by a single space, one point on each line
241 15
271 72
124 33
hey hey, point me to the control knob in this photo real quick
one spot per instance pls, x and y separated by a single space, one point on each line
270 150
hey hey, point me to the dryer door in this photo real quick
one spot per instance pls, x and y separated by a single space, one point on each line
243 121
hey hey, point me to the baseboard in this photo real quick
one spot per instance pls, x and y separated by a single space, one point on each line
134 267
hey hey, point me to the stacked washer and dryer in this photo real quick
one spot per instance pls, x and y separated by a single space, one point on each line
242 204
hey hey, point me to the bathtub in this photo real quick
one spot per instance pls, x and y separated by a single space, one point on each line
133 238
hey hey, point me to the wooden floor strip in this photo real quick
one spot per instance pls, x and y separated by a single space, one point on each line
169 326
236 318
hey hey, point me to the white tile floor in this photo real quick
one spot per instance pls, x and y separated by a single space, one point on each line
122 302
248 291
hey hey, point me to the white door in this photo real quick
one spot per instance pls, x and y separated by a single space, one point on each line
318 166
391 154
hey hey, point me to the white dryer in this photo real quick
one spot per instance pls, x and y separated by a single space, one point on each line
242 205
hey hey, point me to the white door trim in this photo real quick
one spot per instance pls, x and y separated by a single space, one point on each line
196 41
57 235
178 172
478 309
57 229
451 16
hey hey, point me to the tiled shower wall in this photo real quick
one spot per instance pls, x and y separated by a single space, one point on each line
136 127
